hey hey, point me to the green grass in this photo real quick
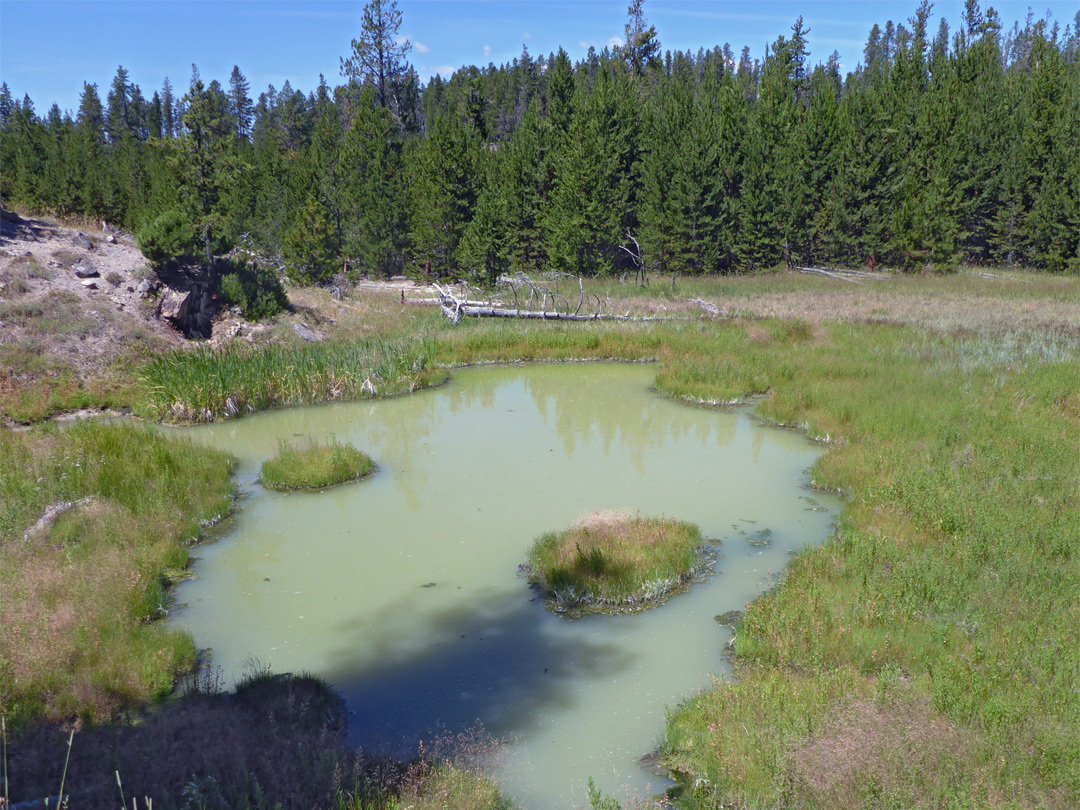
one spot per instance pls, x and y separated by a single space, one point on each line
614 561
951 571
207 384
79 599
314 466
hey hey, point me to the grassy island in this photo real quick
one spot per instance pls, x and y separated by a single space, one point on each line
314 466
611 561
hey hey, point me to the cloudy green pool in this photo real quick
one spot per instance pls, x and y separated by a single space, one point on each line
403 590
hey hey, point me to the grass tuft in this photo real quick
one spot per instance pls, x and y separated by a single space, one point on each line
611 561
314 466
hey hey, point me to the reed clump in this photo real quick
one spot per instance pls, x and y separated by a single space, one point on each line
312 465
612 561
210 384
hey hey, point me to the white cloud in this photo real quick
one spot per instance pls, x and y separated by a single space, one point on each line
443 70
526 36
419 46
487 51
615 42
584 44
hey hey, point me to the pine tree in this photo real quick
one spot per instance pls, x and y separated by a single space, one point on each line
168 110
377 56
1050 228
641 48
7 141
597 178
484 249
525 184
154 118
309 246
444 186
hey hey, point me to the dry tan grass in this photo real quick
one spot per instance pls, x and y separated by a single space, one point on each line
965 301
65 592
871 748
605 520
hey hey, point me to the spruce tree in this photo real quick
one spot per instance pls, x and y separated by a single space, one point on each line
241 108
443 189
373 193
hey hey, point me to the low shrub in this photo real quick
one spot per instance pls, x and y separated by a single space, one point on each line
315 466
255 291
611 561
167 239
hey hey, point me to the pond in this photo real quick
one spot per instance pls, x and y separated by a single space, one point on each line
403 590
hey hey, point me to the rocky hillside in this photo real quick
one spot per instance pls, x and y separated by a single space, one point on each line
79 306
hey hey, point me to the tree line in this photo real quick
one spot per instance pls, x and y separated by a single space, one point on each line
938 148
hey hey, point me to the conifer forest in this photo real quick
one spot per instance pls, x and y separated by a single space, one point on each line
960 145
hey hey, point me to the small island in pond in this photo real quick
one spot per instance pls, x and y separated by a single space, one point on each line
313 466
612 562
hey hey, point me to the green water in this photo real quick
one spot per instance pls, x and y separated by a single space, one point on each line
402 590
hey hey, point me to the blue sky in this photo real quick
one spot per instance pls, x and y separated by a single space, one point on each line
49 47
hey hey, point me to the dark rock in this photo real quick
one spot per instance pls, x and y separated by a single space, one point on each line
83 241
85 269
190 310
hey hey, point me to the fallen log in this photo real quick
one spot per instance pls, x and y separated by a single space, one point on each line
52 512
850 276
455 308
711 308
472 310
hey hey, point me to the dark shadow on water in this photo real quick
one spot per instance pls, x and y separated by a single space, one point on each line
494 661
